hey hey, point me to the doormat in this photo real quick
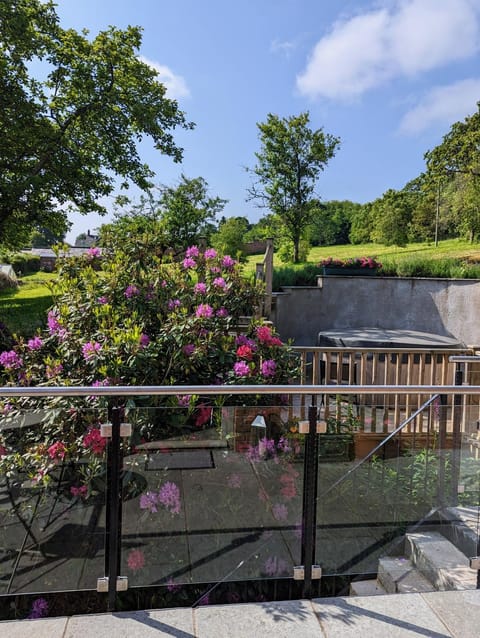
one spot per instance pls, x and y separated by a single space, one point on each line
180 460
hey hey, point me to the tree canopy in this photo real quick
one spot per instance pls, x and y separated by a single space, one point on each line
66 139
290 160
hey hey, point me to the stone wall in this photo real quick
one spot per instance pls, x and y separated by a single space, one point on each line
449 307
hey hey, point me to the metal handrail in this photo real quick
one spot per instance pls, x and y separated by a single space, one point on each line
162 390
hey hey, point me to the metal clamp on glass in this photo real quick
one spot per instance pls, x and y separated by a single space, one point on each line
102 584
106 430
299 572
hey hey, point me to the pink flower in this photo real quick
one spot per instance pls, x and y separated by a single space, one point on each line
241 369
90 349
35 344
228 262
93 252
53 324
219 282
222 312
188 262
204 414
210 253
264 334
192 251
188 349
200 288
268 368
184 400
169 497
10 360
3 451
102 300
135 560
57 451
80 491
204 310
244 352
149 501
94 441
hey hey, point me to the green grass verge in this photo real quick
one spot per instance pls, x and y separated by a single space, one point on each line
25 309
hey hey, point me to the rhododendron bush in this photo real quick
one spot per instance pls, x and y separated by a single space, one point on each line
128 317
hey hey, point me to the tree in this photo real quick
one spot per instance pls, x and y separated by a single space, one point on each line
65 139
392 214
331 225
187 212
230 236
288 165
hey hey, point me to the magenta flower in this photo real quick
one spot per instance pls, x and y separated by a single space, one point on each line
53 324
131 291
135 560
241 369
80 491
192 251
222 312
90 349
204 310
228 262
210 253
188 262
57 451
169 497
102 300
268 368
149 501
184 400
219 282
10 360
94 441
188 349
35 344
200 288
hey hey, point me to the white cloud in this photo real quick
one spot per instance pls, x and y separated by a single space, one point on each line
286 47
175 84
411 37
442 105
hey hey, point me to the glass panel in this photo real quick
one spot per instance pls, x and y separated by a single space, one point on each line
221 497
407 517
52 496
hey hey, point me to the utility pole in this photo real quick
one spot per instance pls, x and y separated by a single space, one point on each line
437 213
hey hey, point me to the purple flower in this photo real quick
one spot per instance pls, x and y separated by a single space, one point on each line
172 586
241 369
188 262
184 400
222 312
204 310
144 340
149 501
102 300
53 370
228 262
243 340
219 282
210 253
192 251
90 349
268 368
200 288
169 496
10 360
188 349
35 344
131 291
39 608
174 303
53 324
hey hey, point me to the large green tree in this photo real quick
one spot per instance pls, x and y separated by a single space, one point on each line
70 130
289 162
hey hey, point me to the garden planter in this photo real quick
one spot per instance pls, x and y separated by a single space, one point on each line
237 423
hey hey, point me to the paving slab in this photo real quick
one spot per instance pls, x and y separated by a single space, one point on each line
291 619
396 616
459 610
174 623
41 628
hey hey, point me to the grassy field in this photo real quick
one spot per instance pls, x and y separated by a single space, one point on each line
24 310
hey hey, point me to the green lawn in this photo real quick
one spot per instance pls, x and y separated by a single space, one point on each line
24 310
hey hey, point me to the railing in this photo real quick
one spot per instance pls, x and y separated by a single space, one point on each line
264 273
249 504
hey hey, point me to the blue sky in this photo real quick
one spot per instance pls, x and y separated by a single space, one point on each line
388 77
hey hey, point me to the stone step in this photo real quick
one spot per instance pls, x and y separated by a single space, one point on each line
445 566
366 588
461 527
399 575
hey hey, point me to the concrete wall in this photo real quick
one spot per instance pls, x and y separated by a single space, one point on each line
448 307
